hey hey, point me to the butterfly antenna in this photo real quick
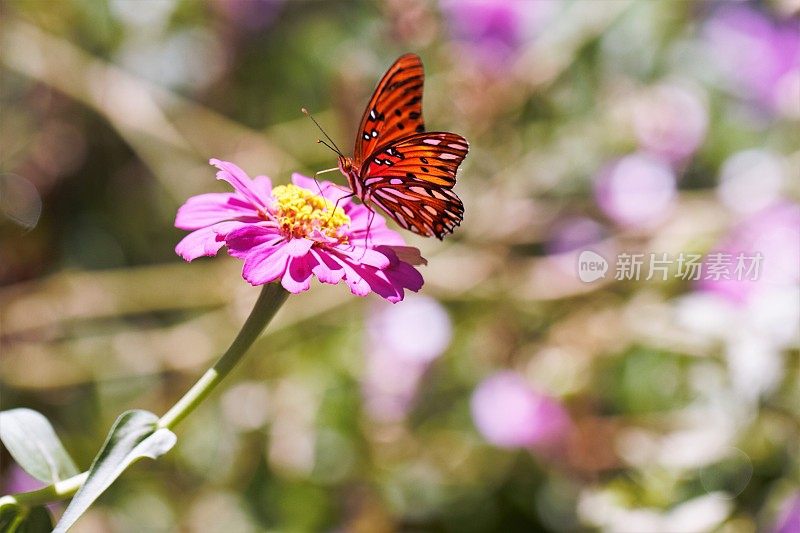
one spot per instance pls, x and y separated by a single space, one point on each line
334 147
331 148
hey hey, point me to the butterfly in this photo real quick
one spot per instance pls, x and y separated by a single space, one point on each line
398 166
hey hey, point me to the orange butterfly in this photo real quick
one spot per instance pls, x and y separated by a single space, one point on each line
397 165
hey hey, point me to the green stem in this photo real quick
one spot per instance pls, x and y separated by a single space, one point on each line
57 491
269 301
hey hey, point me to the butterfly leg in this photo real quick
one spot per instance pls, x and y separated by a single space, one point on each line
369 226
319 187
351 194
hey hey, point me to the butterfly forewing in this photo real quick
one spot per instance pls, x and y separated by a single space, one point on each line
411 179
395 109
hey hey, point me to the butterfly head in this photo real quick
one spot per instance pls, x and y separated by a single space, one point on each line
345 164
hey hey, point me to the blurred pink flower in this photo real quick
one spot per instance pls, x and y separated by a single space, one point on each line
402 342
574 233
250 15
670 121
492 31
420 330
758 56
789 517
636 191
17 480
774 233
291 233
509 414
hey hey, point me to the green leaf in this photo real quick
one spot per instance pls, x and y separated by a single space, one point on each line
37 521
134 435
33 444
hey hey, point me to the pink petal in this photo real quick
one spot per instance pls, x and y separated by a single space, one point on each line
327 269
297 277
358 285
298 247
240 181
383 287
206 209
367 256
400 272
406 276
242 241
265 264
262 185
378 231
203 242
206 241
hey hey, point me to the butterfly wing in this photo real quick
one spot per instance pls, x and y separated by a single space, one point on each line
412 180
395 109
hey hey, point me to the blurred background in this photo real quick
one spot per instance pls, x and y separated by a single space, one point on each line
508 395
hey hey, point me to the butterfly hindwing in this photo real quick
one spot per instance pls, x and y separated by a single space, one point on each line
395 109
411 180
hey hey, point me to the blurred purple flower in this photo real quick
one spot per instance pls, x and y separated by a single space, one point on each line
509 414
250 15
492 31
291 233
636 191
670 121
17 480
402 342
574 233
773 232
759 57
567 239
789 517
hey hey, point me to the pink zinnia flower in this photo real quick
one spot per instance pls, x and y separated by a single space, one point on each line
291 233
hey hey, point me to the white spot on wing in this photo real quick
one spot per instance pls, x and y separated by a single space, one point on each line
433 142
447 155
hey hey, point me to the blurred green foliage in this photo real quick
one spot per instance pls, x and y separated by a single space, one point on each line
683 404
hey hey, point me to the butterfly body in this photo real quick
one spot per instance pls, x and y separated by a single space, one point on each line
407 172
349 170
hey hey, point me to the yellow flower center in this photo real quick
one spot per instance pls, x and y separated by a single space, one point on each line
299 212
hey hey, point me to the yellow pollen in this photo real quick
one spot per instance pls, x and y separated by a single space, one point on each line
299 212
